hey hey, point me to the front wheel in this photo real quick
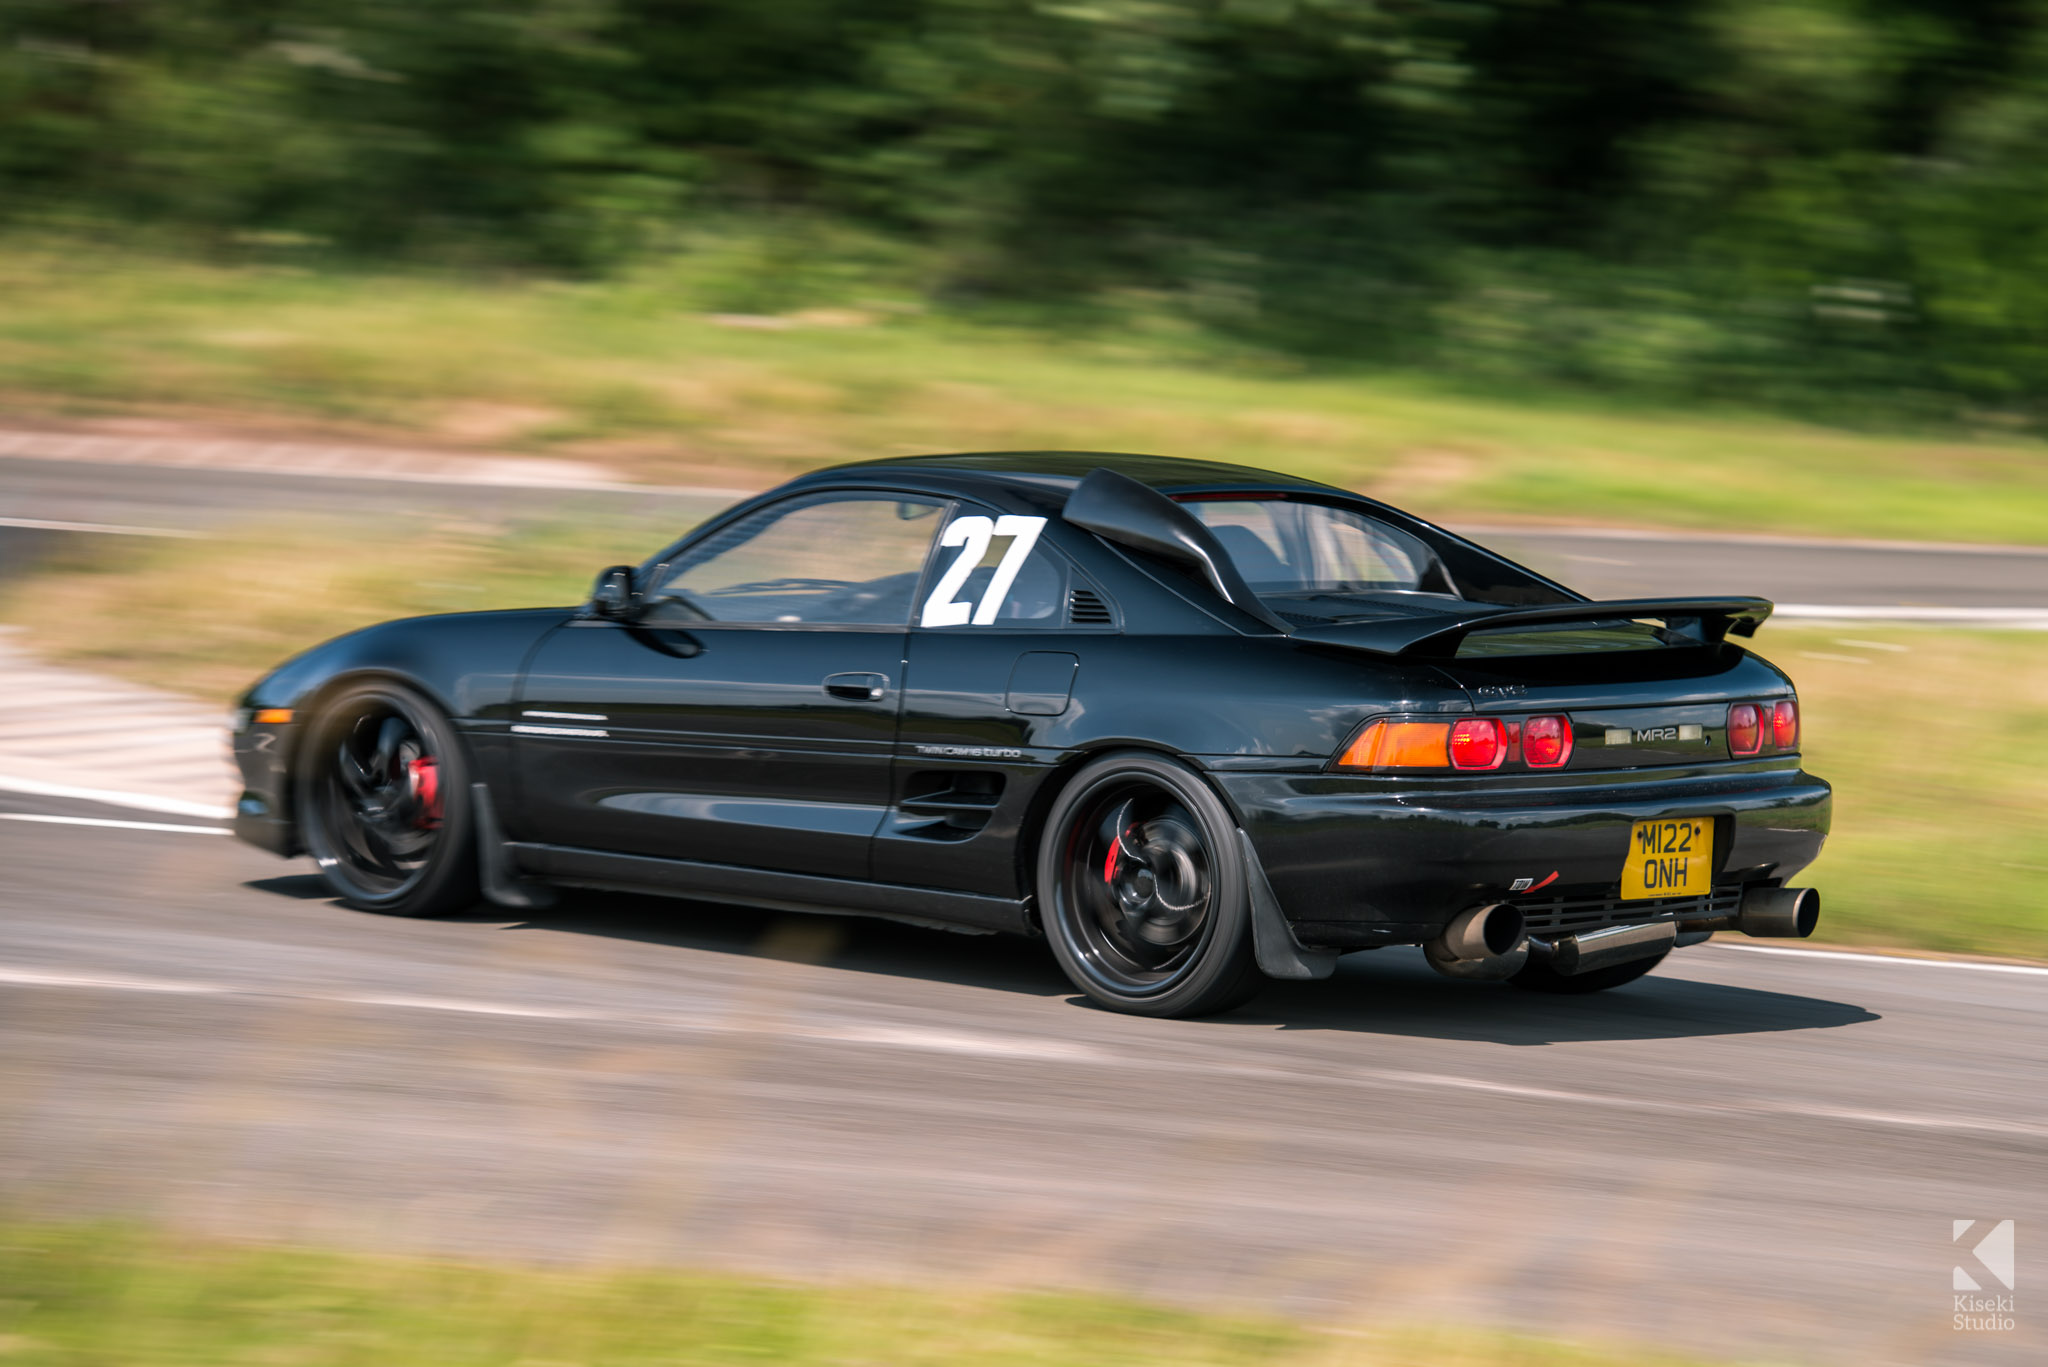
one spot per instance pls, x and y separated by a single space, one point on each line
384 803
1144 890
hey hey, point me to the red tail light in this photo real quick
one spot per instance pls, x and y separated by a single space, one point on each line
1478 743
1745 729
1546 742
1785 724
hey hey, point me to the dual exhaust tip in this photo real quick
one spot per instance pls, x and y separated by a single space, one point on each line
1491 942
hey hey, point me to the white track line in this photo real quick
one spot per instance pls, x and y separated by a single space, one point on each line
1029 1050
1817 543
43 524
1887 959
118 825
145 802
1950 616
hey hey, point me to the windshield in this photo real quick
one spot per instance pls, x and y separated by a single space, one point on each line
1287 548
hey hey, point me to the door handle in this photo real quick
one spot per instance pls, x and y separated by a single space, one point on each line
859 687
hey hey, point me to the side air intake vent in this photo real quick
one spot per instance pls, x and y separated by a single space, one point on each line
1085 608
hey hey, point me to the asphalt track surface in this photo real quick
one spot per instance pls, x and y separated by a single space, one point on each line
1748 1153
1600 563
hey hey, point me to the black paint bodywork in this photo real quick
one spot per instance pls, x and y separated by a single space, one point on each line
727 770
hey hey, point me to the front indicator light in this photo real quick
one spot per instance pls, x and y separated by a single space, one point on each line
1785 724
1546 742
1478 743
274 716
1399 745
1745 729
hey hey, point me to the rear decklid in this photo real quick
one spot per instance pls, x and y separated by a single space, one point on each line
1644 681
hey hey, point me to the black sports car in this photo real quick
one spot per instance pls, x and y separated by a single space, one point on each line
1197 725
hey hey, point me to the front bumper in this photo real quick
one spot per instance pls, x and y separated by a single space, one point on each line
263 813
1360 860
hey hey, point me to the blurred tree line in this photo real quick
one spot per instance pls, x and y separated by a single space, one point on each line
1833 203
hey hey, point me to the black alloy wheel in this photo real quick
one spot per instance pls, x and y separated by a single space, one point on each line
1143 887
384 798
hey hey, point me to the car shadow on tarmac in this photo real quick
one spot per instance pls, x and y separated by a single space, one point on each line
1381 992
1394 992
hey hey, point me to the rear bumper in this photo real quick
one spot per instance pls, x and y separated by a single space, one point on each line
1358 860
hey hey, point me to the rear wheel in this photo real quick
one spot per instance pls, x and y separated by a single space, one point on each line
1541 977
1144 891
384 803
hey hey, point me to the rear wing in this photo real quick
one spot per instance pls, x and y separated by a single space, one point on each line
1705 621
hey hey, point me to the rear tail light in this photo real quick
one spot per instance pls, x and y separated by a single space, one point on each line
1745 729
1546 742
1478 743
1399 745
1785 724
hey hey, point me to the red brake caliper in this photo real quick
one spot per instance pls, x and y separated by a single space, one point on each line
1116 847
426 790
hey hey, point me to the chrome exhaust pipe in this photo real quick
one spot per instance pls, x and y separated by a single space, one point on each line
1779 913
1482 944
1575 954
1769 914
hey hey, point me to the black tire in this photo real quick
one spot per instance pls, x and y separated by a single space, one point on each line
1541 977
1143 890
384 803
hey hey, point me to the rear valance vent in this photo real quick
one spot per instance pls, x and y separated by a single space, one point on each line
1085 608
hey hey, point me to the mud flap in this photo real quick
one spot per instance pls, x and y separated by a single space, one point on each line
501 882
1279 954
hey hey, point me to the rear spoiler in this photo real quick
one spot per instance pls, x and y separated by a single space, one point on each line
1707 621
1118 508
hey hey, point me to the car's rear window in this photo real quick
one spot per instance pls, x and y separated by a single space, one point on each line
1284 546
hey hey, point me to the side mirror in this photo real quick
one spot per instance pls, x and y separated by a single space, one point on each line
612 594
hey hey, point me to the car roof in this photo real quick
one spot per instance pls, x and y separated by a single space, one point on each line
1060 471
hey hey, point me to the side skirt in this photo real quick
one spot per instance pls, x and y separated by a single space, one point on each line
769 888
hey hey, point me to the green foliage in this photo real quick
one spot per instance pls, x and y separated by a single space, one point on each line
1829 204
92 1295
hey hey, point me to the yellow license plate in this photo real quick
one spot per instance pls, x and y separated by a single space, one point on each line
1669 859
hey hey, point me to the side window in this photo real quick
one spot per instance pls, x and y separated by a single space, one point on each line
991 571
825 560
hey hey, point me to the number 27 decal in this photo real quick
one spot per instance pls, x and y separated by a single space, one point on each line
972 535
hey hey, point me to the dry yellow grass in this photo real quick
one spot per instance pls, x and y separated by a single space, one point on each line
629 373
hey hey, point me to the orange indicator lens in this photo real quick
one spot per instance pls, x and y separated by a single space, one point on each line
274 716
1399 745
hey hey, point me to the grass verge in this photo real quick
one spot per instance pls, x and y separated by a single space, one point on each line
631 373
92 1295
1930 736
